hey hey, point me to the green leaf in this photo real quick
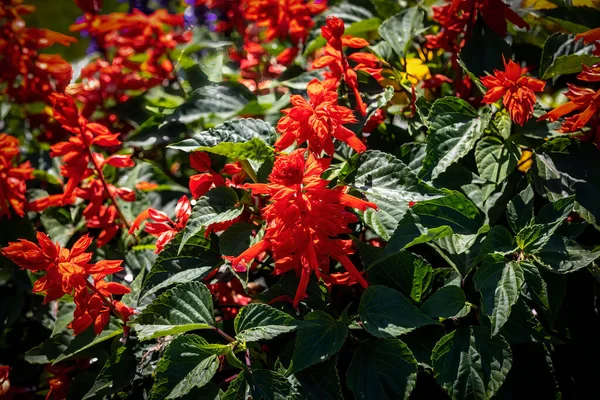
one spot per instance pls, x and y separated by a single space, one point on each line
195 260
532 238
545 288
434 219
220 204
454 128
562 255
319 338
382 369
88 339
186 307
321 381
223 100
269 385
484 51
571 172
523 327
391 185
496 158
406 272
238 389
401 29
385 313
470 364
499 283
236 239
498 240
117 373
188 362
563 55
286 286
262 322
446 302
238 131
519 210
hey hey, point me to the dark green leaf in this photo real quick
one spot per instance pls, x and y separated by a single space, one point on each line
446 302
188 362
186 307
262 322
117 373
319 338
220 204
562 255
519 211
195 260
385 313
499 283
269 385
236 239
88 339
470 364
496 158
454 128
562 55
401 29
406 272
382 369
321 381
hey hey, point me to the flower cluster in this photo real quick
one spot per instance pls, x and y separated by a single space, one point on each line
457 19
119 36
585 101
68 272
85 182
334 58
13 177
317 121
304 221
26 74
517 90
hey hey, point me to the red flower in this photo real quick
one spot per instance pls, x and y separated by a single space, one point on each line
202 183
589 37
317 121
67 272
162 226
584 100
76 153
4 380
26 75
458 17
304 221
229 294
12 177
337 62
284 19
518 91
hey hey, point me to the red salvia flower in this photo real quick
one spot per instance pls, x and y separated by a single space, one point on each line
161 225
517 90
25 74
12 177
284 19
305 220
591 36
67 272
317 121
584 100
337 62
457 19
202 183
4 380
230 294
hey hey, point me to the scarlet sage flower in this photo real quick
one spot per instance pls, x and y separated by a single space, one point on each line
4 379
338 65
25 74
67 272
584 100
12 177
202 183
230 294
517 90
317 121
284 19
457 19
75 152
304 221
161 225
591 36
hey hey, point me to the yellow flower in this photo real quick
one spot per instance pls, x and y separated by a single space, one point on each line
525 161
